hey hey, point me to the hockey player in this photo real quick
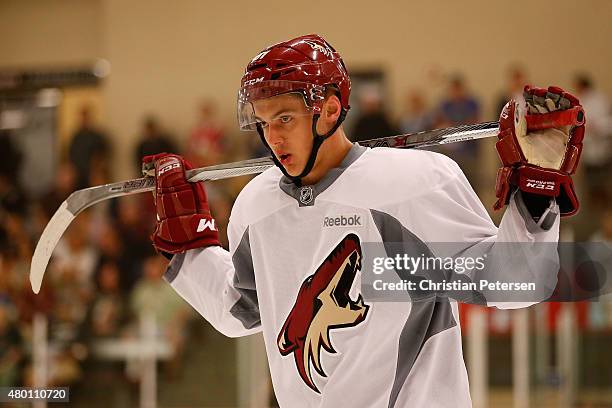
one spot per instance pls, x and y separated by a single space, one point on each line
297 234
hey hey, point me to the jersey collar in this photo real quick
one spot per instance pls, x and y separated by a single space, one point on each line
306 195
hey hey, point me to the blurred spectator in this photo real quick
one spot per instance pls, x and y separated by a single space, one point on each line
153 140
99 173
372 121
113 249
74 253
14 224
108 309
70 306
71 271
89 149
153 296
133 226
516 81
27 302
65 184
459 107
10 347
8 257
205 143
10 158
597 149
14 276
416 116
12 198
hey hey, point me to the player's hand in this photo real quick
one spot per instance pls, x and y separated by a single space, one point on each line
183 216
539 145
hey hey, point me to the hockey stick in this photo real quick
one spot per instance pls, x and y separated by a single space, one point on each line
81 199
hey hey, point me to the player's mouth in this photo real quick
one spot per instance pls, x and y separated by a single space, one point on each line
285 159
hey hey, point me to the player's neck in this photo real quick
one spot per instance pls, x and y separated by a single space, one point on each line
330 155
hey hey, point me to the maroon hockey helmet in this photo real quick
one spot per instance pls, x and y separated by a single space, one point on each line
307 65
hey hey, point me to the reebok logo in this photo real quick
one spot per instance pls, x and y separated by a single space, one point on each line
342 221
206 224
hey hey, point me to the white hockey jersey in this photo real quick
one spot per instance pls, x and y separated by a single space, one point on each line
293 272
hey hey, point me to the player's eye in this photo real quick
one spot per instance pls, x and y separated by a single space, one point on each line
285 119
263 124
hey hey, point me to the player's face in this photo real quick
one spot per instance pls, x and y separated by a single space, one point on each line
287 127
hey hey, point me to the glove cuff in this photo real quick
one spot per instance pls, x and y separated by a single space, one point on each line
536 180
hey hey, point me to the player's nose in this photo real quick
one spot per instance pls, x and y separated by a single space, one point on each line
274 136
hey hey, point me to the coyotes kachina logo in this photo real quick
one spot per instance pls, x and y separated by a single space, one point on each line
323 304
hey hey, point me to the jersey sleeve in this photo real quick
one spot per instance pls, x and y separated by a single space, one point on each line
521 255
220 284
452 222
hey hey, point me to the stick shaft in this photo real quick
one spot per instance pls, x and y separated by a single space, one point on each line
420 140
429 138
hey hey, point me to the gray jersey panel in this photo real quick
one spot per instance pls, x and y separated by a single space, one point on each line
174 267
429 314
246 308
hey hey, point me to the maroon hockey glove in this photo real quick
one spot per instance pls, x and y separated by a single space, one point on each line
183 217
539 145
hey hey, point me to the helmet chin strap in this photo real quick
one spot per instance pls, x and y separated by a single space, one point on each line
317 142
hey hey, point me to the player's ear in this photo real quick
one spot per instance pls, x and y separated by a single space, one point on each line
331 108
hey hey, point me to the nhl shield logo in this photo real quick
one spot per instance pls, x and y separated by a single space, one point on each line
306 195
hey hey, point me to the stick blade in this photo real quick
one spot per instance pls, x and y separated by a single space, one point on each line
47 242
